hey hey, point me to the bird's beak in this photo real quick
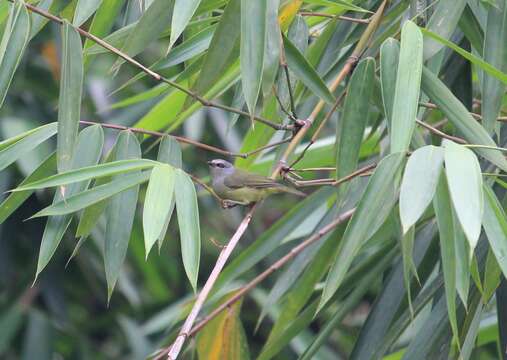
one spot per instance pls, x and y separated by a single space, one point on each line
209 162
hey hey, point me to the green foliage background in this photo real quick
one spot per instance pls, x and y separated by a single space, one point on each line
398 252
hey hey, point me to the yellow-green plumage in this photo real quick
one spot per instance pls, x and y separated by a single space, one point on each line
243 187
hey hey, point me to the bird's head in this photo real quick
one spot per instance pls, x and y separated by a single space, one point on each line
219 167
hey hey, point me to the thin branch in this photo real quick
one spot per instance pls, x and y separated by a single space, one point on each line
160 134
331 16
282 107
440 133
185 140
348 67
314 169
155 75
277 265
474 115
174 350
206 187
283 64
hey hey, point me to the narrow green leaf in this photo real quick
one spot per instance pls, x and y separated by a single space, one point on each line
408 84
492 276
443 211
465 185
26 142
15 199
389 58
372 210
462 260
104 19
151 24
409 268
459 116
272 48
185 10
419 183
443 22
157 204
223 49
120 213
89 172
169 152
69 103
85 9
350 129
14 40
88 151
94 195
305 72
253 42
483 65
495 226
188 221
495 53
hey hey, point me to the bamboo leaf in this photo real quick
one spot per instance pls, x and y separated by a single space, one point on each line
104 19
15 199
459 116
462 261
495 53
120 213
18 146
253 42
408 84
373 208
419 183
88 151
85 9
157 204
495 226
69 102
14 40
223 49
90 172
483 65
272 48
443 211
188 221
224 337
389 58
304 71
185 10
94 195
169 152
350 130
151 24
443 22
465 185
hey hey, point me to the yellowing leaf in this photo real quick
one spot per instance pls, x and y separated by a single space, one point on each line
223 338
288 12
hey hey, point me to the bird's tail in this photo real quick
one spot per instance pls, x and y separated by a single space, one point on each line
293 191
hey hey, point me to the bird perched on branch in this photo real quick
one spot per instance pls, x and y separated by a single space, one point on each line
239 187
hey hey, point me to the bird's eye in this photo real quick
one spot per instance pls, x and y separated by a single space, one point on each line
220 165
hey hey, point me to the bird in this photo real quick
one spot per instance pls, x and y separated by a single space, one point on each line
239 187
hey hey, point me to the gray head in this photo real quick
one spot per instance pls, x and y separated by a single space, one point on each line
220 168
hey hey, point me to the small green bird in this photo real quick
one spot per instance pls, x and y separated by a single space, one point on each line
238 187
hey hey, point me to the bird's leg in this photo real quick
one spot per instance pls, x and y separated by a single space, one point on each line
229 204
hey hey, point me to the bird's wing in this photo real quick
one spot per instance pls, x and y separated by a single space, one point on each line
245 179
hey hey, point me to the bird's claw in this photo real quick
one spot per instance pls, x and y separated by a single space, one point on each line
228 204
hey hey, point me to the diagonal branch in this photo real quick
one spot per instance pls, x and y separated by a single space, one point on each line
155 75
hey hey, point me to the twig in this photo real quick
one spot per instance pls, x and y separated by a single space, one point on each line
331 16
174 350
160 134
277 265
440 133
206 187
474 115
186 140
155 75
349 66
283 64
314 169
